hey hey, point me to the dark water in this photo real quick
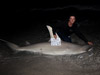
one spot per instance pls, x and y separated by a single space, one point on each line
20 20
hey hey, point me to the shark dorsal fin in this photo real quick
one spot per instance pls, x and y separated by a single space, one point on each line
51 32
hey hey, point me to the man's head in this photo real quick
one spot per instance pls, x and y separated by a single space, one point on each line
72 19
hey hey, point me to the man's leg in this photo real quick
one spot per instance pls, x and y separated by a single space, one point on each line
64 37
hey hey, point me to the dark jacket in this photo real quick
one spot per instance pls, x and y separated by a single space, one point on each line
64 29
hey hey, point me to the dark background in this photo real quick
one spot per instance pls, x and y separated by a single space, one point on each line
20 17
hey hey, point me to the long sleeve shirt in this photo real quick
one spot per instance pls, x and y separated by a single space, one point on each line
64 29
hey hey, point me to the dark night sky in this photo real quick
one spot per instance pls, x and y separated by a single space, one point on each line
22 16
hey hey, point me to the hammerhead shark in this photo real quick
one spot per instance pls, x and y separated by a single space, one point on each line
45 47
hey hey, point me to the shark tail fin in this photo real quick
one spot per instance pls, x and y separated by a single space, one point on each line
11 45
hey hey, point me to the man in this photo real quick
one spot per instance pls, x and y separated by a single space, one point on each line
65 30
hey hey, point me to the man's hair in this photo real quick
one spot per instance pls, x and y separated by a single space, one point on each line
72 15
67 18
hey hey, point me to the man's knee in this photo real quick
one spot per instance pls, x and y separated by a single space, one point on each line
67 39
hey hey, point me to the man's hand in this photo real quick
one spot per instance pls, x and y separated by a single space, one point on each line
55 36
90 43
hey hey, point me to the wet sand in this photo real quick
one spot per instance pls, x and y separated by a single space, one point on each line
34 64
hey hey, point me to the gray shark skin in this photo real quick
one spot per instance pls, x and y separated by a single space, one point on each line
46 48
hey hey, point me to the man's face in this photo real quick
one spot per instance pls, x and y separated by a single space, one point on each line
72 19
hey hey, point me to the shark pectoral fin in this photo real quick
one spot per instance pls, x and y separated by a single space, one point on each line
86 48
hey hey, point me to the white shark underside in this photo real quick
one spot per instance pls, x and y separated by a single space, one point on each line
46 48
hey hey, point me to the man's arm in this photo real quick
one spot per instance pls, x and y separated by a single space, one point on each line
55 36
81 36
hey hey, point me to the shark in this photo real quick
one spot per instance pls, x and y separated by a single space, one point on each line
45 47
